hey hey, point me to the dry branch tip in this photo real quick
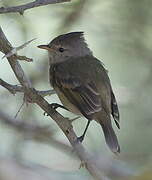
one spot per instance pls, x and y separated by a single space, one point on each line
16 49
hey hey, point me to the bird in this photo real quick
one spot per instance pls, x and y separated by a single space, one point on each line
82 84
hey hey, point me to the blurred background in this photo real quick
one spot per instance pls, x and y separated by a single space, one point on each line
120 35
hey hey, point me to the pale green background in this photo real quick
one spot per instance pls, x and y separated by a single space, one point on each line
119 32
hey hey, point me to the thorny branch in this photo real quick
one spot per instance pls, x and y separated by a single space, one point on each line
20 9
16 88
14 51
62 122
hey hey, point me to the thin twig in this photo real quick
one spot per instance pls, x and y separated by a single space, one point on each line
19 109
62 122
20 9
23 58
46 93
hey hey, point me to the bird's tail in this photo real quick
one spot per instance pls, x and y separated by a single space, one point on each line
111 138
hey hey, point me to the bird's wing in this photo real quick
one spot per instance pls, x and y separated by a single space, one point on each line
83 95
114 109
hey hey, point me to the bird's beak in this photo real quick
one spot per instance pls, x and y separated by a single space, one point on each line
45 47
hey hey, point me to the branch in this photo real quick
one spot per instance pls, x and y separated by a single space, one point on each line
20 9
16 88
11 88
16 49
23 58
62 122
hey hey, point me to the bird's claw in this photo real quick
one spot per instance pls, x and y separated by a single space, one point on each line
45 114
82 164
55 106
80 139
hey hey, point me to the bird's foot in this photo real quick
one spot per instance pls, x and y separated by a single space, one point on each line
82 164
55 106
45 114
80 139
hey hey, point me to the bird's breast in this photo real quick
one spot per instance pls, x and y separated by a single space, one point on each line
72 108
52 75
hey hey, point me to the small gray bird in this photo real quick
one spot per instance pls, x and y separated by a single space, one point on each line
82 83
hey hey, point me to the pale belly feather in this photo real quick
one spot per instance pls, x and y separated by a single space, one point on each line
67 103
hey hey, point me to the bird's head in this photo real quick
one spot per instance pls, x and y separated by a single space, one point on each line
67 46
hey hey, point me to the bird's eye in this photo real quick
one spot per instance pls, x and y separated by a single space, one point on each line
61 49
